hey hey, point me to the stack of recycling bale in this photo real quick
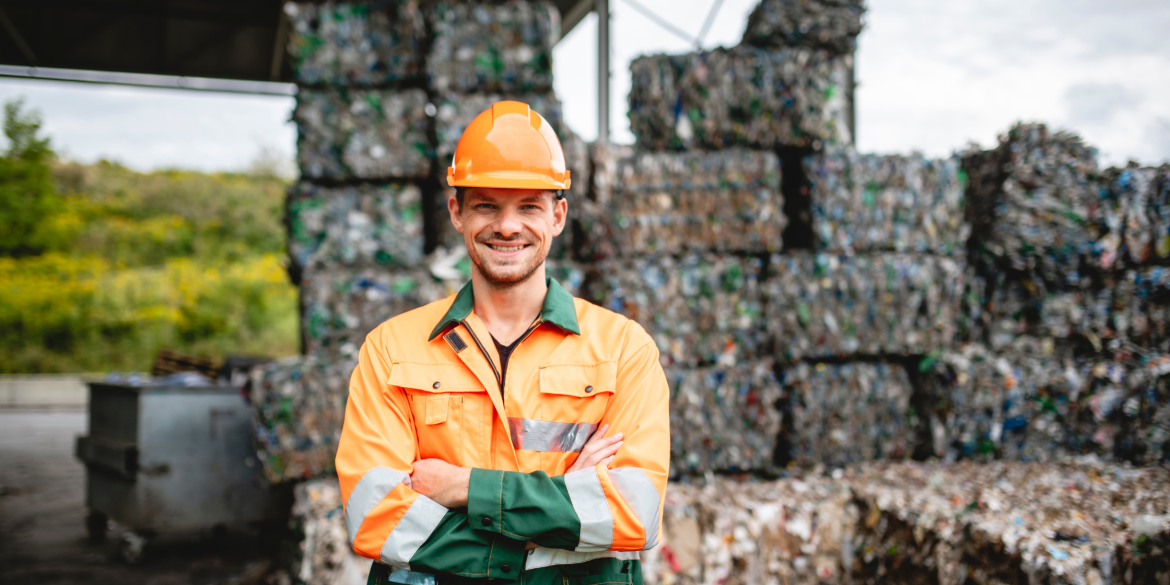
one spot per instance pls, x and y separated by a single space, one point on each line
385 90
885 285
796 355
1068 353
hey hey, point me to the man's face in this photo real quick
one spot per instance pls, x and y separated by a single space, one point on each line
508 232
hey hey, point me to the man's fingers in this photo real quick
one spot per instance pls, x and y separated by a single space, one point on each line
602 453
598 448
598 440
599 452
607 461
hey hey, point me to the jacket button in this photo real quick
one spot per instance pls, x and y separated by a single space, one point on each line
588 389
487 522
506 568
436 386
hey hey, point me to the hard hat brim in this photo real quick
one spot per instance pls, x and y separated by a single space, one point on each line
509 180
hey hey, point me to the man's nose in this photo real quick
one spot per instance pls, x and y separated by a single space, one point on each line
508 223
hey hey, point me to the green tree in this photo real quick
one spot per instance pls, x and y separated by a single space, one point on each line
27 197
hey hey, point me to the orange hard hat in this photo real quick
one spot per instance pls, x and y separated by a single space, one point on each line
509 146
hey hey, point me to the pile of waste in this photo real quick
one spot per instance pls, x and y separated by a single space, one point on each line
1080 521
823 316
832 25
825 305
841 414
729 415
298 415
871 203
492 47
356 43
723 201
758 98
364 225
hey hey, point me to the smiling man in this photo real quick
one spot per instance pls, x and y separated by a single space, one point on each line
510 432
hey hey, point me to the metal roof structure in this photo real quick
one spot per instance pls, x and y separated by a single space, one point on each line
192 44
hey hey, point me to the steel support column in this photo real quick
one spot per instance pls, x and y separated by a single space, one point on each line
602 9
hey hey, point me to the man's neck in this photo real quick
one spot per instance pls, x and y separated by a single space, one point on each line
507 312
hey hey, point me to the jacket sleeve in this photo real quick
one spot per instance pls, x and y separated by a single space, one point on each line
594 509
387 520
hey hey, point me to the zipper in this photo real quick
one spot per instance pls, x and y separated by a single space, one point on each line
488 356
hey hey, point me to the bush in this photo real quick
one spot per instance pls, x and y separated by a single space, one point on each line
103 266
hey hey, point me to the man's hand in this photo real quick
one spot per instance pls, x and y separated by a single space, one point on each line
442 482
598 449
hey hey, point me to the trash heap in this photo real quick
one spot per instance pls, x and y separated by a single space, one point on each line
324 556
1068 353
839 316
1082 521
385 89
821 315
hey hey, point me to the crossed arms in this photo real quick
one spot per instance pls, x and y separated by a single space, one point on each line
435 517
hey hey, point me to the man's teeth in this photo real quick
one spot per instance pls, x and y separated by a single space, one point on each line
506 248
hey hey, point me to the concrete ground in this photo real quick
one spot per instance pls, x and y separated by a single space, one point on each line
42 520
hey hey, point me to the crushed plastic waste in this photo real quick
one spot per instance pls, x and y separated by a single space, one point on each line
299 406
727 416
355 43
700 309
1039 203
832 25
1067 522
366 225
723 201
884 341
481 48
872 203
1038 400
324 556
341 305
1081 521
850 413
739 97
823 305
362 133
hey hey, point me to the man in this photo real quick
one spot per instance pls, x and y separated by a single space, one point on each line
511 432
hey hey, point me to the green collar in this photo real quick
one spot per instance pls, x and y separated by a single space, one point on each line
558 309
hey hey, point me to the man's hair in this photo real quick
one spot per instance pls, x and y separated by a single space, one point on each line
461 191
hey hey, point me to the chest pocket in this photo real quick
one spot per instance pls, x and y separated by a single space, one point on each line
577 392
449 406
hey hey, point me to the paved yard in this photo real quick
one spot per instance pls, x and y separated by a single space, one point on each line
42 519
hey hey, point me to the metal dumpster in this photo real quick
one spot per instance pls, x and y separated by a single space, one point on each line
172 459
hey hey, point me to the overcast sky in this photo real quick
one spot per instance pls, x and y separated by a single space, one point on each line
933 76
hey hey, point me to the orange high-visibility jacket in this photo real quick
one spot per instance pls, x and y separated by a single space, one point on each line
428 386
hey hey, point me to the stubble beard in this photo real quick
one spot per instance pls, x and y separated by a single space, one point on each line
508 275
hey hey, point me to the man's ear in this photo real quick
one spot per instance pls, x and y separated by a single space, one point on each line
560 216
456 216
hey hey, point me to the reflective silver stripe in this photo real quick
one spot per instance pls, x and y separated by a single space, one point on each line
639 492
416 525
592 510
411 577
550 437
547 557
370 489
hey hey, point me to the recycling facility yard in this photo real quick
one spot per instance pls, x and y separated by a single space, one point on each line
883 368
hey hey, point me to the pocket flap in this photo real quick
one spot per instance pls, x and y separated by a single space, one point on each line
582 380
434 377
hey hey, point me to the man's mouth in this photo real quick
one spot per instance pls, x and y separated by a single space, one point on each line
507 249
